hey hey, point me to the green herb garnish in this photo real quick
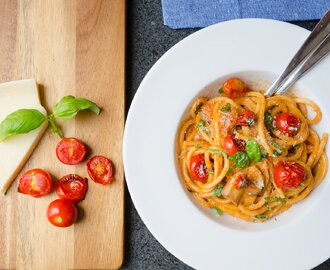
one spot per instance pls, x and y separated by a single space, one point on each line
269 121
263 153
268 207
253 150
302 184
210 172
217 151
262 216
241 159
231 169
198 108
226 108
219 211
220 91
201 126
279 149
218 190
275 199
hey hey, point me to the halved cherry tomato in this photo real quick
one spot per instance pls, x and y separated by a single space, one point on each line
70 151
62 213
247 118
232 145
289 174
287 123
36 183
198 170
71 187
241 181
234 88
99 169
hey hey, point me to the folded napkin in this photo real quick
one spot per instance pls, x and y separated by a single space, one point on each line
201 13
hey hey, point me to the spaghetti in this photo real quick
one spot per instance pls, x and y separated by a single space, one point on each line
250 156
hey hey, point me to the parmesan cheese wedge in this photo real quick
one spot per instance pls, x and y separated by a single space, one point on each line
15 151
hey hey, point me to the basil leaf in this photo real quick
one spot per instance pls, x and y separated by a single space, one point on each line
253 150
219 211
201 126
69 106
269 121
279 149
20 121
220 91
262 216
241 159
218 190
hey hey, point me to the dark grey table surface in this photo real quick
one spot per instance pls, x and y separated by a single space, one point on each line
147 40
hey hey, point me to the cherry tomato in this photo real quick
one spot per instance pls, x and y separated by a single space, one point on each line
62 213
287 123
234 88
289 174
70 151
247 118
232 145
36 183
241 181
100 170
198 170
71 187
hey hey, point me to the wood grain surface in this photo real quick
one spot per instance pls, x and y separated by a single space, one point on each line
70 47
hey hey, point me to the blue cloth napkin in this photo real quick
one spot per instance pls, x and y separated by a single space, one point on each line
201 13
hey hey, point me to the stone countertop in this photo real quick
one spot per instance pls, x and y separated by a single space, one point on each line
147 40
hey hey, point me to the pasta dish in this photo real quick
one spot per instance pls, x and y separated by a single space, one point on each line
251 156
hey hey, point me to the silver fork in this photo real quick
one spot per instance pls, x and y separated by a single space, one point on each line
313 50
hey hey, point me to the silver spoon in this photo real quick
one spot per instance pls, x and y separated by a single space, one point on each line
314 49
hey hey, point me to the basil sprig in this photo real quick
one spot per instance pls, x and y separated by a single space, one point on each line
20 121
253 150
26 120
241 159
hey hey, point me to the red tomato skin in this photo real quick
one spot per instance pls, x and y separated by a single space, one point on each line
62 213
287 123
71 187
100 170
36 183
247 118
289 174
70 151
234 88
239 181
232 145
197 167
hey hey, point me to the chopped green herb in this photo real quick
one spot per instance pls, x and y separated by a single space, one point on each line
253 150
217 151
275 199
220 91
268 207
294 148
241 159
262 216
218 190
210 172
269 122
279 149
198 108
201 126
219 211
226 108
302 184
189 189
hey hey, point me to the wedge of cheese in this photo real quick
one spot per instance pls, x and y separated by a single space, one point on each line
15 151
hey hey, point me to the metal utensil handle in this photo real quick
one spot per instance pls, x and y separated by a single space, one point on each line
321 51
319 33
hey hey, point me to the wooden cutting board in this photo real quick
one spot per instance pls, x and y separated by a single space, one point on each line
72 47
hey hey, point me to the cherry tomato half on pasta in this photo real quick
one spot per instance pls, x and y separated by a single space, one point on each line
234 88
232 145
62 213
70 151
287 123
100 170
198 170
246 118
289 174
36 183
71 187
